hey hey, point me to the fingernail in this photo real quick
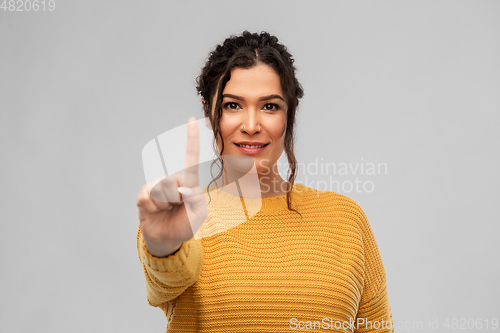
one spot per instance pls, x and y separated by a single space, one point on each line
185 190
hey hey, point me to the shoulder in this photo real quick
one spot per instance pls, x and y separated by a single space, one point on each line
335 204
309 196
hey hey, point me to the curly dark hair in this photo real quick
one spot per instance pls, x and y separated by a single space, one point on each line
248 50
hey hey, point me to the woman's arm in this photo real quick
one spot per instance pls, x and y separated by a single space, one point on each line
374 312
167 278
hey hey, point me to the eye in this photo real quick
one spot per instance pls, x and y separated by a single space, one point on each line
231 105
272 107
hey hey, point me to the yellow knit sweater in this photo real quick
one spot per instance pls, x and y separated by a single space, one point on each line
275 272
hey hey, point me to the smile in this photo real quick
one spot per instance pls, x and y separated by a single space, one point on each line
252 147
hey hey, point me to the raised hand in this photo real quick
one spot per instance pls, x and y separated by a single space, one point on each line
168 217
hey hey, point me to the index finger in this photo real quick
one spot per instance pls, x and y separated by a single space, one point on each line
192 153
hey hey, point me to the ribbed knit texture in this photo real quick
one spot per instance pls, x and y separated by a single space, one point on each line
275 266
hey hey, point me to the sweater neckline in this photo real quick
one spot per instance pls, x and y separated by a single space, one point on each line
262 205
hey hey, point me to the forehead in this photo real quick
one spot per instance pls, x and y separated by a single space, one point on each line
253 82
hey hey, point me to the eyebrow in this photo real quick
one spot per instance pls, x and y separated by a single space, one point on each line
265 98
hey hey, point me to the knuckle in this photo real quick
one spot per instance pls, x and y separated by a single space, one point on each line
141 201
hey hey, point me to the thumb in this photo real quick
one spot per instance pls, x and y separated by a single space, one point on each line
188 193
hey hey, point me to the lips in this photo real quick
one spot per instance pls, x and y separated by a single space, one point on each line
251 147
251 144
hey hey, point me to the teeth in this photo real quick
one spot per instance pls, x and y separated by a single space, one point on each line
247 146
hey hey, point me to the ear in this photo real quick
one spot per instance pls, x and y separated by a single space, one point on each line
203 103
207 120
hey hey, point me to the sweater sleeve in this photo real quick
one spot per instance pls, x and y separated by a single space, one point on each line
374 312
167 278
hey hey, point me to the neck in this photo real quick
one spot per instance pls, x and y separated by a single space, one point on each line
272 185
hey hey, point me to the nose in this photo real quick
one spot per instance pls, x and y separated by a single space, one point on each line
250 123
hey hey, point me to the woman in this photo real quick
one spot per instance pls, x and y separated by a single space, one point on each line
306 260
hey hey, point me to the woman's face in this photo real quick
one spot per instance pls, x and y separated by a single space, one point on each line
253 118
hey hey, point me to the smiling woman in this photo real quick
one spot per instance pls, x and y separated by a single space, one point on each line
250 93
253 121
306 256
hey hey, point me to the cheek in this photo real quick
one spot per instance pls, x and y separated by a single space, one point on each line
228 126
279 128
224 127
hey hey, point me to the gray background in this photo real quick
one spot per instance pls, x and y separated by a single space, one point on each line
413 84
